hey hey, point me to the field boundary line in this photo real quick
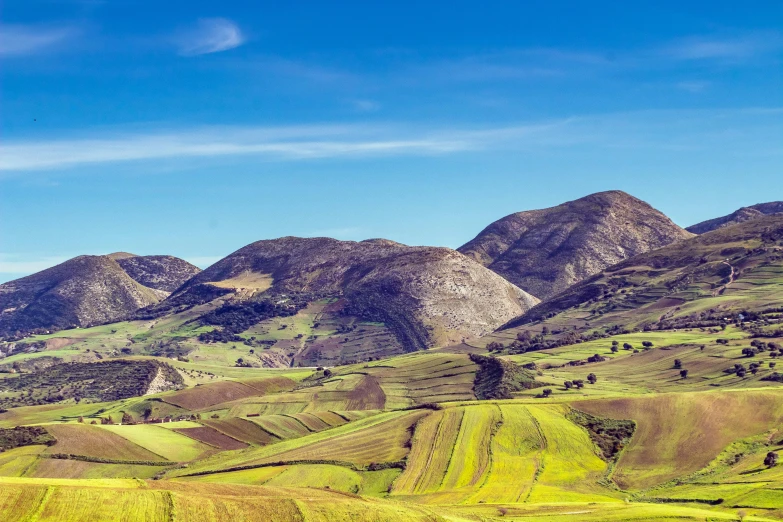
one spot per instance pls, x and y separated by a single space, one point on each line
33 517
420 477
453 448
540 464
493 431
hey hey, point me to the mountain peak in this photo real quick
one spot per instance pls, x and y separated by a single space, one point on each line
544 251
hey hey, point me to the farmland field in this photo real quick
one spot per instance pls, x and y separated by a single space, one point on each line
405 438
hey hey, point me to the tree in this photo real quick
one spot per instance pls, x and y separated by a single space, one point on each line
495 346
81 419
647 344
771 364
524 337
684 373
568 385
127 418
615 349
591 378
615 343
546 392
627 346
579 383
677 364
327 372
749 352
771 459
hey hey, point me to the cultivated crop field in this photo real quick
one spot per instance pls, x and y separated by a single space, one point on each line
406 438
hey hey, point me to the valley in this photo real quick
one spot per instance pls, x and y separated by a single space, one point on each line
316 379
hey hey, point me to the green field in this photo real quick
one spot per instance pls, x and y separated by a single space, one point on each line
367 442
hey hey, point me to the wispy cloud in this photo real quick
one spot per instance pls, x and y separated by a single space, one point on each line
366 105
667 130
24 40
212 35
727 48
693 86
274 143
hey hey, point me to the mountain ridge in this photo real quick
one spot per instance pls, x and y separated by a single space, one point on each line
544 251
738 216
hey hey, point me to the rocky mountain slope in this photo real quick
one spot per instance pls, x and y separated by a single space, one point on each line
87 290
738 216
546 251
165 273
426 295
706 280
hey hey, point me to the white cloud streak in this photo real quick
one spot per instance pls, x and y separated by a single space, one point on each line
212 35
281 144
25 40
715 48
667 130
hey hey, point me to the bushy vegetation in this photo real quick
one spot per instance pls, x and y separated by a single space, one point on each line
498 379
610 435
24 436
101 381
386 304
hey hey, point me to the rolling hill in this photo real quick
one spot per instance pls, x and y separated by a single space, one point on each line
423 296
287 382
738 216
88 290
546 251
703 281
165 273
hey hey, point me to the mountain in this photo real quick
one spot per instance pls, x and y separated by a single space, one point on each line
738 216
165 273
425 295
88 290
706 280
546 251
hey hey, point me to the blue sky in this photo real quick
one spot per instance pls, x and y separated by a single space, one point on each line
193 128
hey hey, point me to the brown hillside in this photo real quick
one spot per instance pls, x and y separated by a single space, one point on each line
738 216
165 273
546 251
88 290
420 289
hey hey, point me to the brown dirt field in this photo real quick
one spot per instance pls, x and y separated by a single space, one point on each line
678 434
92 441
311 421
270 385
666 302
209 395
384 442
243 430
367 395
60 342
330 418
212 437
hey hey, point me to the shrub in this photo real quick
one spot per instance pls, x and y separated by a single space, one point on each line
771 459
591 378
